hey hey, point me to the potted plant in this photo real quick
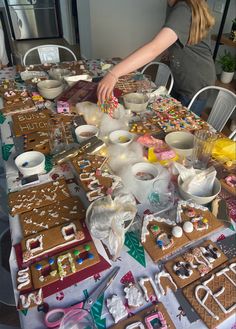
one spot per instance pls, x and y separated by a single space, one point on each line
228 65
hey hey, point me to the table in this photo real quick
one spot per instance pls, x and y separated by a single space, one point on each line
133 259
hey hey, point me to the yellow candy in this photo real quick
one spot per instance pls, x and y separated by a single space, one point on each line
205 220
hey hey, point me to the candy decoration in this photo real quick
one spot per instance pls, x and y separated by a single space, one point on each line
38 267
87 247
60 295
51 261
76 252
79 261
90 255
109 105
127 278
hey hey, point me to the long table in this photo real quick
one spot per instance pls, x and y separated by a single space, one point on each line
133 258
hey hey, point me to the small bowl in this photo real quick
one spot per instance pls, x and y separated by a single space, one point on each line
144 171
136 102
71 80
85 132
121 137
50 89
30 163
200 199
181 142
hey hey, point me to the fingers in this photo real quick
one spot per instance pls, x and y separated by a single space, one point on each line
105 88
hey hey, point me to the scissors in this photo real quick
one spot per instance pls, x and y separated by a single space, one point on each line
86 305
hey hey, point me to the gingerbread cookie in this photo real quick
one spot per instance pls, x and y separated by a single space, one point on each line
95 181
195 263
37 196
164 281
149 288
64 264
15 101
24 123
203 221
154 316
48 240
134 296
214 297
39 219
116 308
172 116
229 184
157 238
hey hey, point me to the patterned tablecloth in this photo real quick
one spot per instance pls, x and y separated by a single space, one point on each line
133 261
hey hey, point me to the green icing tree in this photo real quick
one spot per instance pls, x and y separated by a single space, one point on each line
96 311
6 151
2 118
48 163
136 250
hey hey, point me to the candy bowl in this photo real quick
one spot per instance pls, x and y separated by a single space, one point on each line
121 137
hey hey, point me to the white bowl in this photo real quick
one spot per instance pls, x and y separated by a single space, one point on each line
199 199
181 142
136 102
71 80
50 89
121 137
30 163
144 171
85 132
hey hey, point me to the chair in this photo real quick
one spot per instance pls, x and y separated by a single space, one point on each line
48 53
164 76
224 104
233 135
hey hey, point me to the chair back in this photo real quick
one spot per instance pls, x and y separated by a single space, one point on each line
164 76
48 53
223 107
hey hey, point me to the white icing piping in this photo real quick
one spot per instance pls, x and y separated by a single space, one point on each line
189 204
23 278
142 282
149 218
158 277
35 297
214 296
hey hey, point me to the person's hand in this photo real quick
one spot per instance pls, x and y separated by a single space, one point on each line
106 86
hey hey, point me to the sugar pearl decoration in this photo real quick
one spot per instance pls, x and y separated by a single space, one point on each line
188 227
177 231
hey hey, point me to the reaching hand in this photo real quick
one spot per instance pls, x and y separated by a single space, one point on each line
106 86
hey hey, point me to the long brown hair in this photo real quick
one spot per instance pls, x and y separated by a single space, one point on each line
202 20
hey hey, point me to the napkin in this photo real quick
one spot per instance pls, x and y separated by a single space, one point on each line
195 182
201 183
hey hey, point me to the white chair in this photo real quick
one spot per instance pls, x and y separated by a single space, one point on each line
48 53
164 76
233 135
224 104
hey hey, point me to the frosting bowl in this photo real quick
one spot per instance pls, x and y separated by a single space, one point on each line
30 163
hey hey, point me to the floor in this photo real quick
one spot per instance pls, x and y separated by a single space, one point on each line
22 46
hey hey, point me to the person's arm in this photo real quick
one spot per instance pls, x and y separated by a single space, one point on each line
163 40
